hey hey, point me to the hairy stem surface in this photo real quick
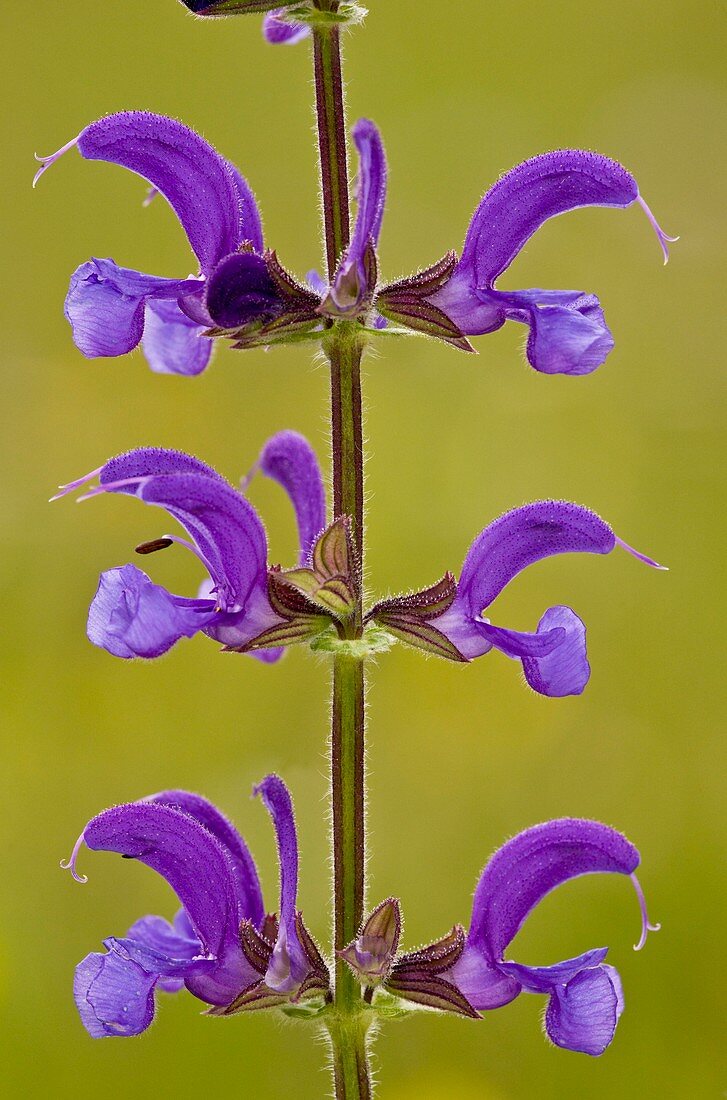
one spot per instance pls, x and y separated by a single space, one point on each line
349 1019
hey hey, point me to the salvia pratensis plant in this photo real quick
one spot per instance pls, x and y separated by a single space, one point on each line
224 945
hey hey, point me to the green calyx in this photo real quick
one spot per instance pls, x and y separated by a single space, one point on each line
310 13
373 640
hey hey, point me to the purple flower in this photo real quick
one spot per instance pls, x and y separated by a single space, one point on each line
279 31
585 998
130 616
457 298
567 330
112 309
447 619
220 946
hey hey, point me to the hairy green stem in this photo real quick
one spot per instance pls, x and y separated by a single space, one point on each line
349 1019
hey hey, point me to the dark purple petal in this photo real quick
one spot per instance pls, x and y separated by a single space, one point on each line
289 459
531 193
583 1014
172 343
105 305
523 536
568 332
283 32
250 899
349 288
288 964
240 291
200 871
565 670
113 994
200 185
130 616
532 864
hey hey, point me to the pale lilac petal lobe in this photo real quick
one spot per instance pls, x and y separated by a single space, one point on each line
105 305
532 864
248 883
289 459
516 643
582 1015
530 194
568 331
277 801
464 629
130 616
114 995
168 940
196 181
523 536
565 670
283 32
483 983
543 979
172 343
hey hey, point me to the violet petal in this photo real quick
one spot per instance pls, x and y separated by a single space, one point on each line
532 864
198 868
249 892
288 458
523 536
172 343
130 616
201 187
565 670
113 994
349 288
105 305
583 1014
531 193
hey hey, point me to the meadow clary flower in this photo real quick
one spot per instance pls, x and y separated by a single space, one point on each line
457 298
585 998
130 616
112 309
554 656
220 946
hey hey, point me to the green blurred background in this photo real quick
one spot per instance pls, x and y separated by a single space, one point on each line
459 758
